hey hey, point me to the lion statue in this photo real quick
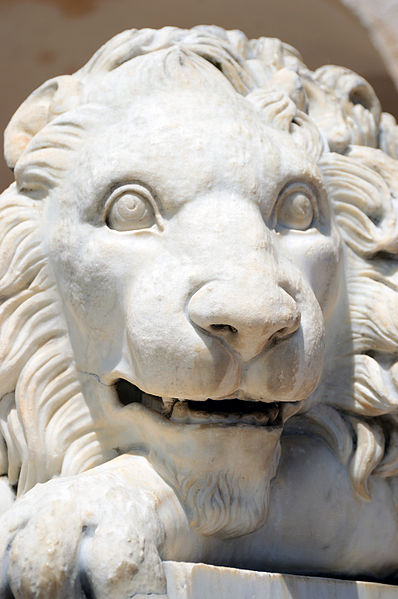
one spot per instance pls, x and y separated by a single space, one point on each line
199 330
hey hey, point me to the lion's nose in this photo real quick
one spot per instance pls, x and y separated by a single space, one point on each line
247 321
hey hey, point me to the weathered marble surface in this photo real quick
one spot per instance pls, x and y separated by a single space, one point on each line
198 320
196 581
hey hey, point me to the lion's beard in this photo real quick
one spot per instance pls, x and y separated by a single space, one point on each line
219 503
227 502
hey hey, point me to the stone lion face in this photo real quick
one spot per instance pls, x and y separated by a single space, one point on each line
199 265
197 258
168 194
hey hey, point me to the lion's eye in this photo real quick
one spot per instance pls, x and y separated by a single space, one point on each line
130 209
295 210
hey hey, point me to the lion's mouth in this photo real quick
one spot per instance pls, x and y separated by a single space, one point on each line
230 411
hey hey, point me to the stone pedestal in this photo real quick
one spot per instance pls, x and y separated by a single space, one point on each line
200 581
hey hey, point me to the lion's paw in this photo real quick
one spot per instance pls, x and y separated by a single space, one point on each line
66 540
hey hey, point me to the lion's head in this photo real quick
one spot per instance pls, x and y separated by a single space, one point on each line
198 253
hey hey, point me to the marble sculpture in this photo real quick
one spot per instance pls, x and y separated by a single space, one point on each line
199 320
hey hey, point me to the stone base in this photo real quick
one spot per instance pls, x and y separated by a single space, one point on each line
200 581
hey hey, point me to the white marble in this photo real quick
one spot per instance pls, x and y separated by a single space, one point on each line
198 331
195 581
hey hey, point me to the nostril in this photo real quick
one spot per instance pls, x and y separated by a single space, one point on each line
223 328
287 330
280 335
282 332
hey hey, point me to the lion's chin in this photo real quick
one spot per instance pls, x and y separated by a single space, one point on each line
221 476
220 463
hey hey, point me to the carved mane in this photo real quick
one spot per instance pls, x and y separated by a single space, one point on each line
46 425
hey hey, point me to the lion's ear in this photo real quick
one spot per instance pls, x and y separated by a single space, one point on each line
51 99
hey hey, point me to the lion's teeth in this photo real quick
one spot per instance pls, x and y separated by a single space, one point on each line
183 413
260 418
290 409
195 412
179 411
273 414
168 404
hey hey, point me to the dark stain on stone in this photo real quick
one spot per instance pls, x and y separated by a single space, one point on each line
46 57
71 8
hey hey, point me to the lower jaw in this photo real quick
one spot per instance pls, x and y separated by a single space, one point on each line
208 458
